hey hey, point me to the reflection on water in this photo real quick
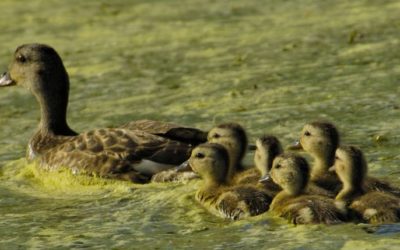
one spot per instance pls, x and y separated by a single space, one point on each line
271 67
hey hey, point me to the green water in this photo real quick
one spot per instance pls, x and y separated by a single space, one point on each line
270 65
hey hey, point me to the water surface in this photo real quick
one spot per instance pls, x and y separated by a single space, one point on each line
270 65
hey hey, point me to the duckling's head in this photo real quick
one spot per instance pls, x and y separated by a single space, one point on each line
210 161
350 166
39 68
230 135
319 139
268 147
291 172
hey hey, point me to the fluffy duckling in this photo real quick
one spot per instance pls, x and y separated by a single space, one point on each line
291 172
119 153
233 137
369 206
321 139
267 148
211 162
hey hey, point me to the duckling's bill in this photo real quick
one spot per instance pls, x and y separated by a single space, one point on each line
5 80
295 146
264 178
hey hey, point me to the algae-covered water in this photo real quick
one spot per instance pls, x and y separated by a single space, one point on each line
270 65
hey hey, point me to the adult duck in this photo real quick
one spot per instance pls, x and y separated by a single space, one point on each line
368 206
126 153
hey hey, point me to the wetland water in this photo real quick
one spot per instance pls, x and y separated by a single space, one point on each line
270 65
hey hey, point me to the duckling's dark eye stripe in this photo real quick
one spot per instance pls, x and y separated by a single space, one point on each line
200 155
216 135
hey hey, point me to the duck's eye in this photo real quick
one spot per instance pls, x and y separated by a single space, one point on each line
216 136
21 58
307 133
278 166
337 157
199 156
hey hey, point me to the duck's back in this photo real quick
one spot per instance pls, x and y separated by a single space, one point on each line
114 153
169 130
377 207
243 201
309 209
374 184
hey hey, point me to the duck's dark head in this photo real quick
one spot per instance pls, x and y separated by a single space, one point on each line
39 68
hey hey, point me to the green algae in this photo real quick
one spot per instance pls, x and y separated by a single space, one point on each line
270 65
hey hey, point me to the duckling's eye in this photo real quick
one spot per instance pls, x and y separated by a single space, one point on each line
216 136
278 166
307 133
199 156
21 58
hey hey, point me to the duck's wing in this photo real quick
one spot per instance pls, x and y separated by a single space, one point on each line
109 151
375 184
169 130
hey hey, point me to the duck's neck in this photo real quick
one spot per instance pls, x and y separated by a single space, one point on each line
209 190
53 108
235 161
321 165
349 192
53 119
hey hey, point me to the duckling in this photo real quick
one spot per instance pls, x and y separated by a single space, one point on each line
291 172
267 148
321 139
370 206
119 153
211 162
233 137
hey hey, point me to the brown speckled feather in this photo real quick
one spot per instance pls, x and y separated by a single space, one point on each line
308 209
169 130
108 152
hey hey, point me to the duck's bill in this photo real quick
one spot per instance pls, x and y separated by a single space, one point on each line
332 169
295 146
5 80
264 178
185 166
251 147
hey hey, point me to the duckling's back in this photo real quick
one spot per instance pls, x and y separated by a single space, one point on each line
377 208
243 201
